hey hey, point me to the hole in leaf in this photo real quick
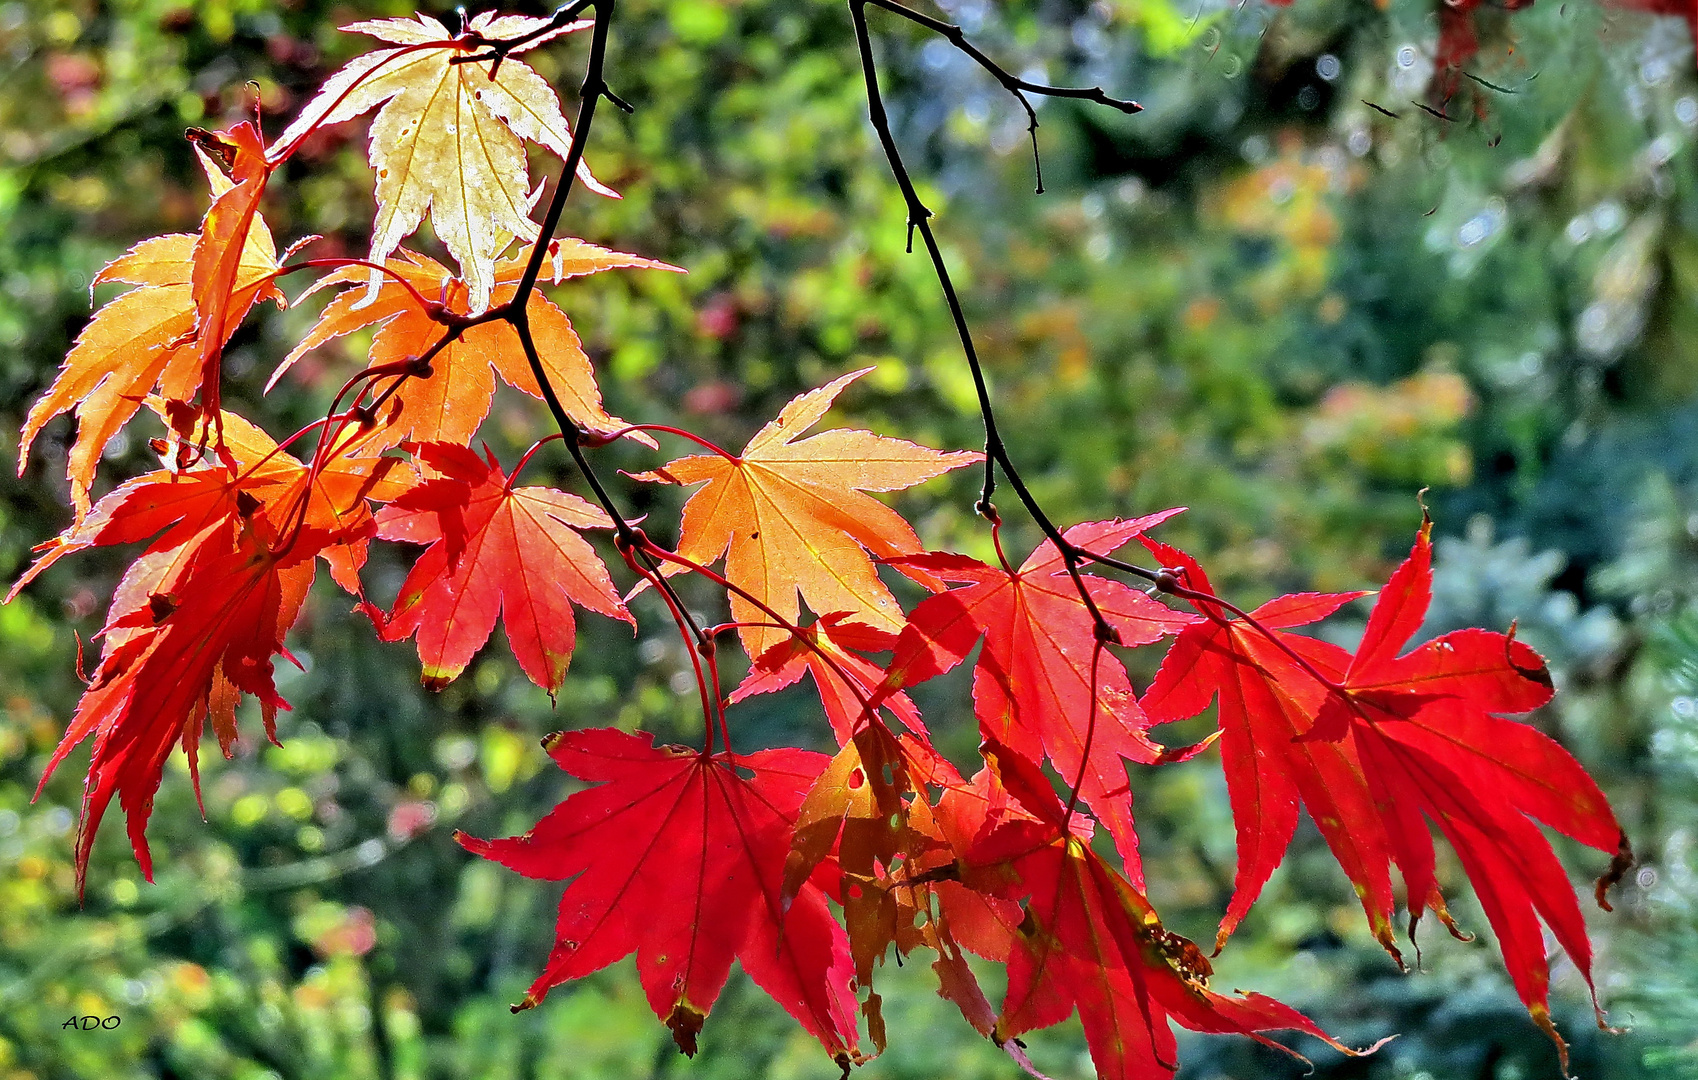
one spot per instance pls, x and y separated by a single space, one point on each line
856 779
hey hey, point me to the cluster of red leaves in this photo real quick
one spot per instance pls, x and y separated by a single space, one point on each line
751 851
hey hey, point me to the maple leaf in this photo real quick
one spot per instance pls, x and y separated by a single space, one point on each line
941 913
1390 740
196 619
678 857
188 510
495 551
221 248
1266 701
1085 937
834 636
452 402
1043 685
450 137
147 337
855 817
175 659
1431 745
790 515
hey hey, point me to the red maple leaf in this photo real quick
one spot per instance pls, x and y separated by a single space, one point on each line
1432 745
495 551
1266 701
176 658
678 857
1043 684
1082 936
1387 742
197 618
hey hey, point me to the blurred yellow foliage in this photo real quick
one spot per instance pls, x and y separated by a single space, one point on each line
1287 200
1405 431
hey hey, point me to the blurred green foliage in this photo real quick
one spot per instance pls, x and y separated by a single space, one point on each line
1262 298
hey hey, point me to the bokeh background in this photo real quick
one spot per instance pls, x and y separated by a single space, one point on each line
1260 298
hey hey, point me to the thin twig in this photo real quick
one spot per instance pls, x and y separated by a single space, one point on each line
996 454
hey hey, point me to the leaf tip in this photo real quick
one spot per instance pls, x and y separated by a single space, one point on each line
686 1023
530 1001
1620 864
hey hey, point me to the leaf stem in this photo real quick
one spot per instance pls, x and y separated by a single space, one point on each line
668 429
427 306
1168 582
1090 736
526 460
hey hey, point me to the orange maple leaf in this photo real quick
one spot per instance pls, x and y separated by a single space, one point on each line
148 338
221 248
449 404
795 520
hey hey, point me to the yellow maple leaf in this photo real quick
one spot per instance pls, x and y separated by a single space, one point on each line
791 516
449 136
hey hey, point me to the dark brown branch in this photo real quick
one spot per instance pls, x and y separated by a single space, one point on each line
1012 83
996 453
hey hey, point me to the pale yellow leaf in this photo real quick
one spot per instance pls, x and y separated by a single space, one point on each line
449 139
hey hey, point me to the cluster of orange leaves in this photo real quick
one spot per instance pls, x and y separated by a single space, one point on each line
693 858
